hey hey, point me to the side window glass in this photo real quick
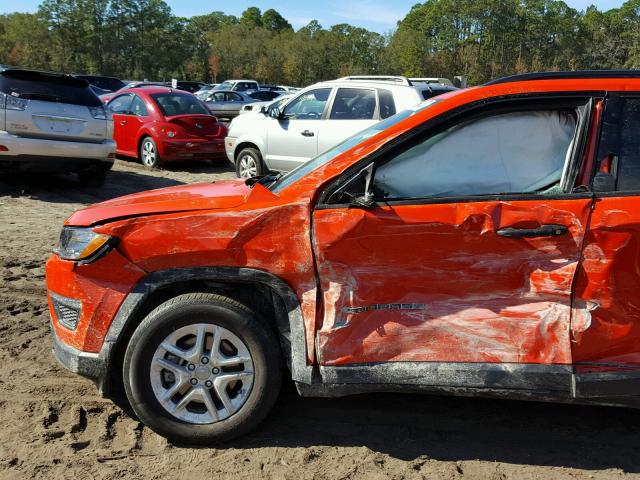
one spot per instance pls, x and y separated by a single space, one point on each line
353 104
138 107
387 105
619 149
120 104
519 152
308 106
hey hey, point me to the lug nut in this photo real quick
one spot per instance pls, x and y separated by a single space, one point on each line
191 366
215 371
208 384
194 381
205 360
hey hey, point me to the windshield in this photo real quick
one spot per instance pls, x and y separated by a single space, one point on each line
299 172
178 104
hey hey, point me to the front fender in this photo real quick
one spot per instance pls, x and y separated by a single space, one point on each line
292 328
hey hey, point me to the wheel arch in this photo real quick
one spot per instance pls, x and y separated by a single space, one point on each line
269 295
246 144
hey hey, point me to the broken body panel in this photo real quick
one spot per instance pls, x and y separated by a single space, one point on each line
402 287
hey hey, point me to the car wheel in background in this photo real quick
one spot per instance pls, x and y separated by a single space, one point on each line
202 368
249 163
148 153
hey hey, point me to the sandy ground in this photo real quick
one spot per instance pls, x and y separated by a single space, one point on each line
54 425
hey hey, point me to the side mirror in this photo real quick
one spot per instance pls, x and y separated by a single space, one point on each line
275 113
263 109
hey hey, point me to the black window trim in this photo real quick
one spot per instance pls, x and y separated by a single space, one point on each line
440 121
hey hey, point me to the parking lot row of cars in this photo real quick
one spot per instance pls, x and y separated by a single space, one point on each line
56 122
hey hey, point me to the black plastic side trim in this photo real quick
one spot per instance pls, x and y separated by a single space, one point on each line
294 332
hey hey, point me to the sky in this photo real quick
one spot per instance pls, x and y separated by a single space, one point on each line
376 15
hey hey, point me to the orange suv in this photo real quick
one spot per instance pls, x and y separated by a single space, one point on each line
486 242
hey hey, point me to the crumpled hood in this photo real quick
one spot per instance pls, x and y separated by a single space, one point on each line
199 196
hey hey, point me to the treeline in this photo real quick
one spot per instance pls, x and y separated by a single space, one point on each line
480 39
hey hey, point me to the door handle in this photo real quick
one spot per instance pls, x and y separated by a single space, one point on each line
123 122
542 231
307 133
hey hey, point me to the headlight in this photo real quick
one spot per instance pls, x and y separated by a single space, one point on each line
81 244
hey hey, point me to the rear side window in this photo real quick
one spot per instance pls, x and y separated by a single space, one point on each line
620 141
138 107
30 85
519 152
178 104
387 105
353 104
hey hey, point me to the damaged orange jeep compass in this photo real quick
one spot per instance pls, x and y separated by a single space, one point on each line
486 243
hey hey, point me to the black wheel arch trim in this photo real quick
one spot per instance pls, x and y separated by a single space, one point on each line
292 331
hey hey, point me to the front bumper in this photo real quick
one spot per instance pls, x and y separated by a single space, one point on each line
173 150
89 365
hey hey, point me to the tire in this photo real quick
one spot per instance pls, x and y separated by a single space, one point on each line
191 424
92 178
148 153
249 163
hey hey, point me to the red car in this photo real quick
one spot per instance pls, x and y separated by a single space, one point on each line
485 242
159 124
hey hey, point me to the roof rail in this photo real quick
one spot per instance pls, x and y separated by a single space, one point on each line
379 78
573 74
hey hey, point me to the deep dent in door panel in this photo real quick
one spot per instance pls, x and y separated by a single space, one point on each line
471 302
607 286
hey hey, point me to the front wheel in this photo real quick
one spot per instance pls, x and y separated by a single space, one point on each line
249 163
148 153
202 368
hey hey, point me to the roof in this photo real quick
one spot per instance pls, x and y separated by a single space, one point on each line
151 89
578 74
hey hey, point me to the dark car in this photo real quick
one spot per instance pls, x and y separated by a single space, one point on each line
227 104
188 86
111 84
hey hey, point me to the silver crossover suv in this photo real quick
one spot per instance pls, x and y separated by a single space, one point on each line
53 123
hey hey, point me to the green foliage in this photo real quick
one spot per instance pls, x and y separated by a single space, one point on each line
480 39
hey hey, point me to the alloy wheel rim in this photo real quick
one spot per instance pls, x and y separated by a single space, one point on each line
202 373
148 154
248 167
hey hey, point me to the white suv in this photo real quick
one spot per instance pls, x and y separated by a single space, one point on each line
316 119
53 123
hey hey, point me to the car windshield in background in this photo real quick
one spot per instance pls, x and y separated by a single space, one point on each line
48 87
178 104
297 173
225 86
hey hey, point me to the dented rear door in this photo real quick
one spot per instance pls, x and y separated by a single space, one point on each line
606 320
464 257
